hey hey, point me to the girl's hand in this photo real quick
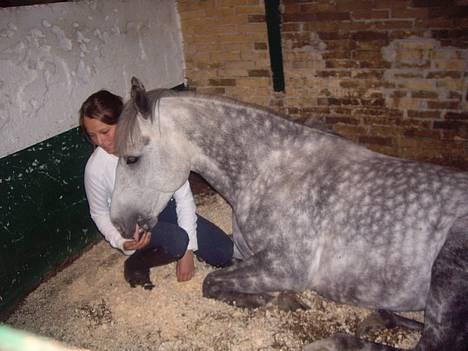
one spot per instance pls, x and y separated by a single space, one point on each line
140 240
185 267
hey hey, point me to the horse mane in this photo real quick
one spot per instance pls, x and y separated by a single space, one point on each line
128 133
317 126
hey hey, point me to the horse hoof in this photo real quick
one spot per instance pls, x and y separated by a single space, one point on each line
384 319
372 323
289 301
341 342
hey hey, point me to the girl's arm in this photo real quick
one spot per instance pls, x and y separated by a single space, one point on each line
99 207
187 219
186 214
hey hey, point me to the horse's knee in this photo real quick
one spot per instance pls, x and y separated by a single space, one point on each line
225 290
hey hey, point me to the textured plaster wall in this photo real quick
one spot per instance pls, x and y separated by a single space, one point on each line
53 56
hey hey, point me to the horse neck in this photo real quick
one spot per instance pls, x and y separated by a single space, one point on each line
232 142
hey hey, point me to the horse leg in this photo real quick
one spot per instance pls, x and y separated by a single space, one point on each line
342 342
250 283
228 285
445 325
381 319
446 315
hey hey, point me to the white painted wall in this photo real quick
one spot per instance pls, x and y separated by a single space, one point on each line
54 56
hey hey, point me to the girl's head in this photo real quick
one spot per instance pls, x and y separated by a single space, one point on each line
99 115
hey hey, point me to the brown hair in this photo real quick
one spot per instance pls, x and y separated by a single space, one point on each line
103 106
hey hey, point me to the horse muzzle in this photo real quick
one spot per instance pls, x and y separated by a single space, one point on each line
125 224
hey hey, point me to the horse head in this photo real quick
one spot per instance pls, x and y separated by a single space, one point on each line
152 164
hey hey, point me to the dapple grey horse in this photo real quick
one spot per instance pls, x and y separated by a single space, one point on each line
311 210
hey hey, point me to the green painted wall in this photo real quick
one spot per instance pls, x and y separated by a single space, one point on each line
44 216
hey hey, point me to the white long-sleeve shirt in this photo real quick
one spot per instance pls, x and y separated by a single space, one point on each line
99 182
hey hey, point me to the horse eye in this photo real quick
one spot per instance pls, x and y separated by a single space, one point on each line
131 160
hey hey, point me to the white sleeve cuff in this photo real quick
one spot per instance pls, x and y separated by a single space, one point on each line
120 243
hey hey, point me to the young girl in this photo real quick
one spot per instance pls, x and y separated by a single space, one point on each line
180 232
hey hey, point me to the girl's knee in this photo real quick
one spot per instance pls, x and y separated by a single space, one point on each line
171 238
179 247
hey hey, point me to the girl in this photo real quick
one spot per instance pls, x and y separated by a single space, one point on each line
180 232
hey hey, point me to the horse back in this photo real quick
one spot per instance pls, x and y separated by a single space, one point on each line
355 214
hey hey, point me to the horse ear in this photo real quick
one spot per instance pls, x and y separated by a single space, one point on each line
138 94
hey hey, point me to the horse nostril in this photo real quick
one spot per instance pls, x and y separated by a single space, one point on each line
142 224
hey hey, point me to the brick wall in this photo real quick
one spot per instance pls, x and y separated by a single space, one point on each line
389 74
226 48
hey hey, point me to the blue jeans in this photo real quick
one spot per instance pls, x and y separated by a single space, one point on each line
214 246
